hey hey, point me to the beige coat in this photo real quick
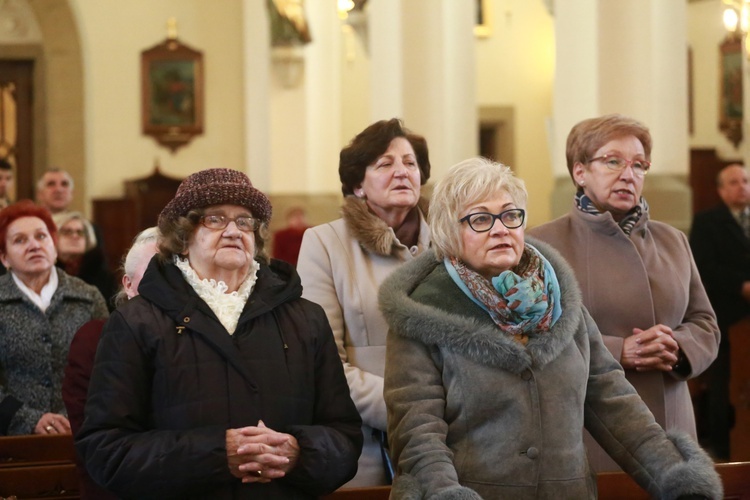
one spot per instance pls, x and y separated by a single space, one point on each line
342 264
638 281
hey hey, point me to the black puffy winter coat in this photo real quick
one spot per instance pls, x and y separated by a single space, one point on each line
169 380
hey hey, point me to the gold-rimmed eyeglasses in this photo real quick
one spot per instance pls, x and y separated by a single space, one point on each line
618 164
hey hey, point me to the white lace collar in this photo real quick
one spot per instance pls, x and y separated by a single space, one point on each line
226 306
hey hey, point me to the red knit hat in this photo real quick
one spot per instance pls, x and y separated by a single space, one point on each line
216 186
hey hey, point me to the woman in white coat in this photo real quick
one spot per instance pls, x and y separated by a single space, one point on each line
343 263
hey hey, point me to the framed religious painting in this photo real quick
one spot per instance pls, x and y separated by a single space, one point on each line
731 99
172 93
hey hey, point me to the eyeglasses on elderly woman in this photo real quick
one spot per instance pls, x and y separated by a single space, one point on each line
618 164
481 222
244 224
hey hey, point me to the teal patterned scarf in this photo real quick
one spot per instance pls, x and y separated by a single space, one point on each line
521 300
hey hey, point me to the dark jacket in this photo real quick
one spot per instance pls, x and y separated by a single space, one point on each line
93 269
34 347
722 254
169 380
75 386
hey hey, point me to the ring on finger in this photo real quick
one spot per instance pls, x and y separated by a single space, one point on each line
48 428
258 473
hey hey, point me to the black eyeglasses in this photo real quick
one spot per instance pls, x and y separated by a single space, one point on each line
481 222
244 224
618 164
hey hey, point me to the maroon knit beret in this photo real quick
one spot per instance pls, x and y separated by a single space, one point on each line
216 186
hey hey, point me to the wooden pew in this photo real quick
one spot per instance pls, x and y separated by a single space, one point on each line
619 486
38 467
612 486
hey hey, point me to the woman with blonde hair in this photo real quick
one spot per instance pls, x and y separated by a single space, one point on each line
494 366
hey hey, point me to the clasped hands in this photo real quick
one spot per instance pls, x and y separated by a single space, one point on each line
52 423
652 349
258 454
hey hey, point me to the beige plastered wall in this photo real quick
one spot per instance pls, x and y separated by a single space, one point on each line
112 36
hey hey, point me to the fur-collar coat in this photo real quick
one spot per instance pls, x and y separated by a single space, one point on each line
342 264
474 414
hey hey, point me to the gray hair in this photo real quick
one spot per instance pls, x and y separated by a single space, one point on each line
466 183
40 182
130 261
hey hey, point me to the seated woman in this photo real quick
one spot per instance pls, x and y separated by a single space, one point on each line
494 367
80 256
41 307
218 380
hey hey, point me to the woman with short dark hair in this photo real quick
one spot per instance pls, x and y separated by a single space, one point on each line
342 263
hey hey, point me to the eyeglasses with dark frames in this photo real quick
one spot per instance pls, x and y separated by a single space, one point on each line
618 164
244 224
481 222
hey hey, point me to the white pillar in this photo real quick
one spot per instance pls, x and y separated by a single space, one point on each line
257 89
423 70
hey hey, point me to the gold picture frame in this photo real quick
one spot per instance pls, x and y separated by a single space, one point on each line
172 93
731 98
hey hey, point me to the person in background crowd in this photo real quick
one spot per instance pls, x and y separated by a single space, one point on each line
494 366
638 278
79 255
287 241
720 239
54 190
6 182
75 383
41 307
343 263
218 380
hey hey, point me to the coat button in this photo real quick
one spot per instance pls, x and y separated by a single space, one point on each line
532 453
186 319
526 375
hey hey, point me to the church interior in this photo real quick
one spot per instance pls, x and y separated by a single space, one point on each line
278 87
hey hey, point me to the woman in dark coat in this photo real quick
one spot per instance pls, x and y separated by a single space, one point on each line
219 380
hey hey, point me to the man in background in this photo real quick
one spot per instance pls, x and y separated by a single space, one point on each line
6 182
54 190
720 240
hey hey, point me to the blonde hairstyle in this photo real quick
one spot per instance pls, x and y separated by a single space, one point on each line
589 135
63 218
466 183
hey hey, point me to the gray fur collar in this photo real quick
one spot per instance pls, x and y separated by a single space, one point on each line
479 341
370 230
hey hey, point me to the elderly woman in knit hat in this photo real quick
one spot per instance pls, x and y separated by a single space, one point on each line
219 380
